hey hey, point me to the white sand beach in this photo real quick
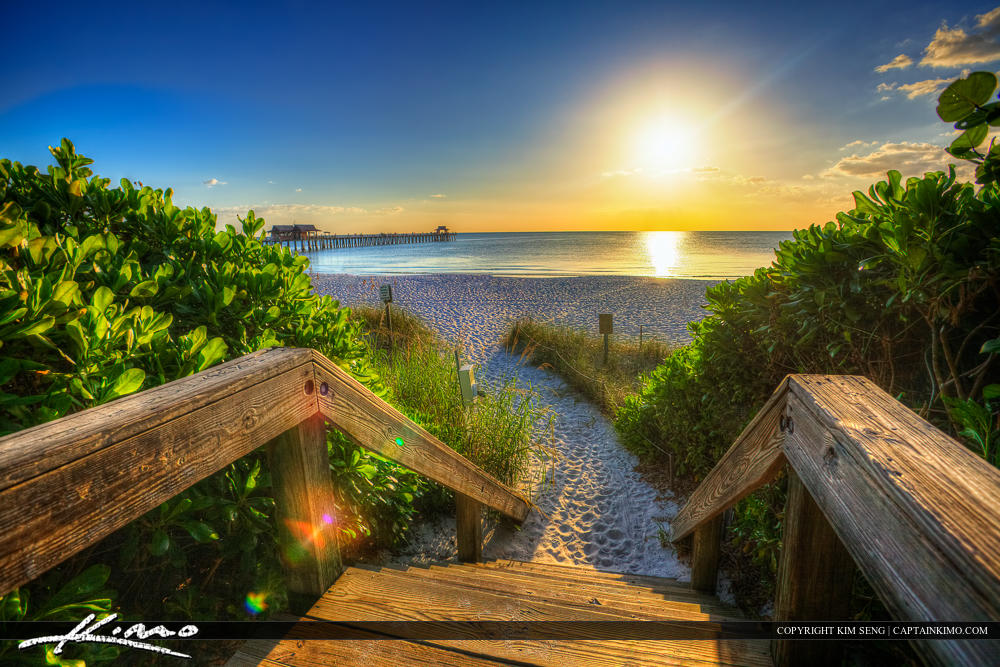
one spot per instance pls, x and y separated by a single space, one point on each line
596 511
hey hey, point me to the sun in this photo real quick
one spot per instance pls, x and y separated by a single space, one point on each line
664 143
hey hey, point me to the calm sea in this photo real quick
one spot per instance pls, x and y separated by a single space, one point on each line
702 255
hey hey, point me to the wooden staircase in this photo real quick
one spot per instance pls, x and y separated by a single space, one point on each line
507 591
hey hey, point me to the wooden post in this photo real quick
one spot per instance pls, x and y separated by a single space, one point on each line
469 524
815 576
304 508
705 555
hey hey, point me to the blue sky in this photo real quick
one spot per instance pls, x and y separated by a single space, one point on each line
527 116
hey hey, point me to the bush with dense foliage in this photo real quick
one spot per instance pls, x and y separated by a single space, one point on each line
904 288
108 291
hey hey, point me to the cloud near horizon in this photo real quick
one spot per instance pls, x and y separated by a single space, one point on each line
212 182
954 47
912 159
902 61
858 143
438 196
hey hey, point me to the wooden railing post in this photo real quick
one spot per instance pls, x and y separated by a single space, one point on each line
705 555
304 508
815 575
469 524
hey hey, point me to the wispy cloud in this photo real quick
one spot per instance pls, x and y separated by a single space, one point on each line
926 87
954 47
857 144
902 61
438 196
212 182
886 87
389 210
910 158
298 189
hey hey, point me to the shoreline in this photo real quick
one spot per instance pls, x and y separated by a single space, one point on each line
474 311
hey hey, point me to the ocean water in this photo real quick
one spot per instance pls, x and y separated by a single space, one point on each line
698 255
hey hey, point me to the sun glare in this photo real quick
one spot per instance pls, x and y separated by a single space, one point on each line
664 252
663 144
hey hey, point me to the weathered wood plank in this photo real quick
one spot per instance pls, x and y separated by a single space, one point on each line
903 561
469 528
753 460
305 511
950 492
370 653
363 595
372 423
705 555
610 591
534 589
48 518
45 447
815 577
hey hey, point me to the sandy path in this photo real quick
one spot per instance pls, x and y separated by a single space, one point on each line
598 512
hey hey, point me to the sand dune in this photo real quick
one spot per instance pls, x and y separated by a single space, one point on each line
596 511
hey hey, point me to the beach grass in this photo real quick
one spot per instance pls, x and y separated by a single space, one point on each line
578 357
498 433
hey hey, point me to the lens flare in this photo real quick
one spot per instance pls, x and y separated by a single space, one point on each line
399 442
255 602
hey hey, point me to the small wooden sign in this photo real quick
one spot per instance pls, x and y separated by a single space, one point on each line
604 323
386 292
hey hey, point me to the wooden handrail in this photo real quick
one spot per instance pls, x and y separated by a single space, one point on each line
66 484
913 508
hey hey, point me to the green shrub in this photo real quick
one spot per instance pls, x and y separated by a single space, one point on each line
108 291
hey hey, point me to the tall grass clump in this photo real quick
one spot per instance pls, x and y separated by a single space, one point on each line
579 358
498 433
904 288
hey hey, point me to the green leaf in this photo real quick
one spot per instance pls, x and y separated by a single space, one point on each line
145 289
65 291
969 139
126 383
160 542
102 298
79 588
213 351
990 346
991 391
201 532
963 96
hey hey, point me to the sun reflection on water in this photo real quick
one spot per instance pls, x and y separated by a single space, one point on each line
664 252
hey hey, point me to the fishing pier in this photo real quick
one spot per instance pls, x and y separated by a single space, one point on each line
307 237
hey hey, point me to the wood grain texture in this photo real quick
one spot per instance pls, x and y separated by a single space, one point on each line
753 460
48 518
469 528
305 511
372 423
859 485
949 491
554 591
384 594
705 554
42 448
815 577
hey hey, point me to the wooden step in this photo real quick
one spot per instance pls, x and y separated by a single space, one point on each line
586 595
508 591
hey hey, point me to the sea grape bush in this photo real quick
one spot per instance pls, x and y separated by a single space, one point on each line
904 288
108 291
